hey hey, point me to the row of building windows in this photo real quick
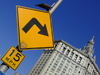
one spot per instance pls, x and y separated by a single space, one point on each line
60 66
71 55
50 66
55 65
57 61
40 64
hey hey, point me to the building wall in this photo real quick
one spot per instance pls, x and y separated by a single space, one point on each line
40 63
64 60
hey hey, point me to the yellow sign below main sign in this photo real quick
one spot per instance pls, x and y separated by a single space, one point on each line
34 29
13 58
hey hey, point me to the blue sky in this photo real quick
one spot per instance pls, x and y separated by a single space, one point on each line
74 21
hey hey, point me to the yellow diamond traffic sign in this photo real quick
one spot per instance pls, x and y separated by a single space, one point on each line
34 28
13 58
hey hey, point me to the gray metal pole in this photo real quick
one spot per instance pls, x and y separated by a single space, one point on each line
54 7
3 68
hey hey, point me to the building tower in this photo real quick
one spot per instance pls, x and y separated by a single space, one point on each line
89 48
66 60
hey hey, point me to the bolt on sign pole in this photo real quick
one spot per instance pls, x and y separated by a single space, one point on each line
54 7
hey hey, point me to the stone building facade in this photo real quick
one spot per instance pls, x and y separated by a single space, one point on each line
66 60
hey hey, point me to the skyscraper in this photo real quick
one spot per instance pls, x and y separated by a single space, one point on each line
67 60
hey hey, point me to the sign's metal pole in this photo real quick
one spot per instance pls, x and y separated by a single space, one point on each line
54 7
3 68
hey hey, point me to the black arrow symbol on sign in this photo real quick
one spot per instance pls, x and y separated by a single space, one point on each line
43 30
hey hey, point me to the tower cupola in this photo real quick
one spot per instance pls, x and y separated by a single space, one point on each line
89 48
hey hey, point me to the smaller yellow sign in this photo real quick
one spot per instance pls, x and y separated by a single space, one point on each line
13 58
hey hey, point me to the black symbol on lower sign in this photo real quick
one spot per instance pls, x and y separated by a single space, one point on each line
43 30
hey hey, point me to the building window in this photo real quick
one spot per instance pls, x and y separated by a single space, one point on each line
67 64
59 56
71 55
54 66
55 45
94 73
75 71
83 61
67 52
69 48
62 62
60 47
51 72
75 57
68 61
53 59
88 65
63 49
52 69
58 69
45 72
69 71
63 72
66 67
79 59
50 64
57 61
32 71
47 69
64 59
76 68
72 65
57 72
